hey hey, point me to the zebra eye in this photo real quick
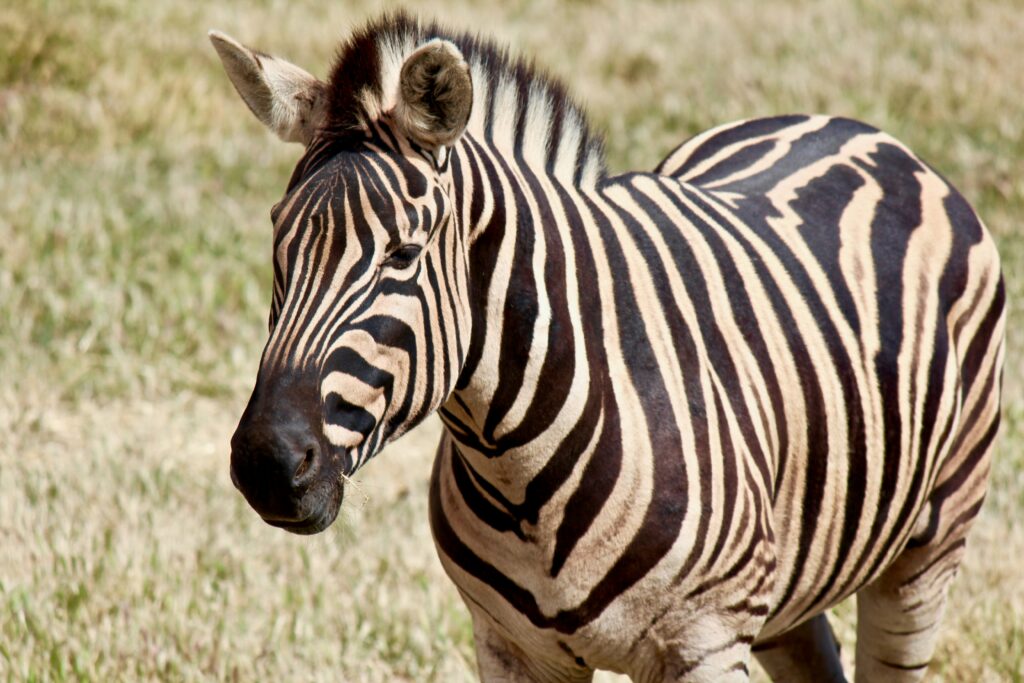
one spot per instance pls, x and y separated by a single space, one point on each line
403 257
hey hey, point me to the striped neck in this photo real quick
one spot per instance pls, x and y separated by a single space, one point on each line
526 384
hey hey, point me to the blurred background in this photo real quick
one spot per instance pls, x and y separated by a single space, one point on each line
135 274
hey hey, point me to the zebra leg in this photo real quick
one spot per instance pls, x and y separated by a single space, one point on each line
898 618
898 614
502 661
702 648
730 665
807 653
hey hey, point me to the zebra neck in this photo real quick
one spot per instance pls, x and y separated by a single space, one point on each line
525 385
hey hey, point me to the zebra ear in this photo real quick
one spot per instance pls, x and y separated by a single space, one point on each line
287 99
435 94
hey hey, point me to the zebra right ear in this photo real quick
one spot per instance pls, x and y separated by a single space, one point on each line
288 100
435 94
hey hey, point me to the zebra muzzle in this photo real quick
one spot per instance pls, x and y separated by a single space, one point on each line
280 463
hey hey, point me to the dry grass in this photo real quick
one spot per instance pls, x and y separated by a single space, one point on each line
134 274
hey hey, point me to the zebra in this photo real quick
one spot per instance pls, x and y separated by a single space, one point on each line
685 411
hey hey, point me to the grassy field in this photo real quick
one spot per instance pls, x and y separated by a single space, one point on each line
134 287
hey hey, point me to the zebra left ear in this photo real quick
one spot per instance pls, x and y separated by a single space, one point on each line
287 99
435 94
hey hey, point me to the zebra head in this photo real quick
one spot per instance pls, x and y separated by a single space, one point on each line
370 315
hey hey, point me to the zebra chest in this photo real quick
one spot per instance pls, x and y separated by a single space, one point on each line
588 575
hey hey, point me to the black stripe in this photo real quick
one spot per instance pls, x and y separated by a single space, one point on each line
469 485
820 204
897 215
348 415
595 486
809 148
744 131
734 163
982 341
559 364
560 465
483 256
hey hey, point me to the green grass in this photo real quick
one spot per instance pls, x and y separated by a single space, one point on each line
134 288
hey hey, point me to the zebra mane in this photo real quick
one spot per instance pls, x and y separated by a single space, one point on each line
517 107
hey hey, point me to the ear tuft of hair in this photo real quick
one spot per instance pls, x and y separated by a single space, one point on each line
435 95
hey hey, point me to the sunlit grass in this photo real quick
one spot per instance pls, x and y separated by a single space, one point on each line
134 286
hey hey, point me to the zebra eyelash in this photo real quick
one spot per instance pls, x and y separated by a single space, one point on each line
403 257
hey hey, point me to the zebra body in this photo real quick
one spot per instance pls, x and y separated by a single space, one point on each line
686 411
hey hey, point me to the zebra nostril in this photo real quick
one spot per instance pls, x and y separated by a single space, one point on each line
307 468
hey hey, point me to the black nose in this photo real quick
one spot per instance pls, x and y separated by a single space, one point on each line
273 462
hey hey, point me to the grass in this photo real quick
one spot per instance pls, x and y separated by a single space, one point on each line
134 288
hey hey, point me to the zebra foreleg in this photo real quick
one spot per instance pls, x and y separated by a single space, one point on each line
702 648
501 661
808 653
730 665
